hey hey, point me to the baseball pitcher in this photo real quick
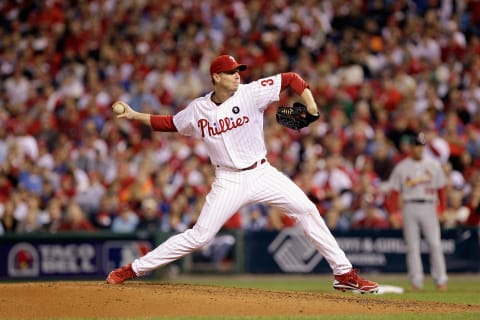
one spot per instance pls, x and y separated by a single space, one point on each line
229 120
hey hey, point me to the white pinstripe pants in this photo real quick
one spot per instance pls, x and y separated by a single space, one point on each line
230 191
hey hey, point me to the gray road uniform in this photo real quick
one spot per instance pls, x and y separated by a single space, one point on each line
417 183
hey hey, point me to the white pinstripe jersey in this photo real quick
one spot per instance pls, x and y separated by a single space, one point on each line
232 131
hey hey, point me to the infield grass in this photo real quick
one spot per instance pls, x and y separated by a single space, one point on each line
462 289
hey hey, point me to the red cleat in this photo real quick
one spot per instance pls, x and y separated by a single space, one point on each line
120 275
352 281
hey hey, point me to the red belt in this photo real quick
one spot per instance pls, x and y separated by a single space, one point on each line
253 166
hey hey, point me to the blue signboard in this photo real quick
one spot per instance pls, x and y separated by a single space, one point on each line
289 251
68 257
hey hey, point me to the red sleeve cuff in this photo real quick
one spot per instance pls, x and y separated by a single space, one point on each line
391 202
294 81
162 123
442 199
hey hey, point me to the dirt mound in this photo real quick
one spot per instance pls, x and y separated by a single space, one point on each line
151 299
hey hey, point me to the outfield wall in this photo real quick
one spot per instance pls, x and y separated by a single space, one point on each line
93 255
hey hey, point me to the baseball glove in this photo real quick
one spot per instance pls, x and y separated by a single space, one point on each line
295 117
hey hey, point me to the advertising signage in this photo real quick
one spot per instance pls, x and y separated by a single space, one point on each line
70 257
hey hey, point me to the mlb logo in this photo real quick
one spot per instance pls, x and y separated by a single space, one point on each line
119 253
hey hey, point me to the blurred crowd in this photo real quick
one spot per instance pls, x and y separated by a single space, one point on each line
380 71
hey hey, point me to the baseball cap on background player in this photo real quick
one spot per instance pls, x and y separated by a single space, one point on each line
419 139
225 63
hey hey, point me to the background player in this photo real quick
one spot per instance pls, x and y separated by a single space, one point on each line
229 119
420 182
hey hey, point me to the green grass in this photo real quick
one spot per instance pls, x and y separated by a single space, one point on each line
330 317
462 289
373 317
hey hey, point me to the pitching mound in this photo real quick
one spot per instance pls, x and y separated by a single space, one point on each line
148 299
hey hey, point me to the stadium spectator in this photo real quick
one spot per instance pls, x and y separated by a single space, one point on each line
8 221
254 218
126 219
380 70
32 220
75 219
457 213
53 216
473 202
150 217
333 192
369 216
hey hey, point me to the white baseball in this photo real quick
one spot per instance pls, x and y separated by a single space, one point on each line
118 108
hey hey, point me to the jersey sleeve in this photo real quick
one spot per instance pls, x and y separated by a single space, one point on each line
439 179
266 90
395 180
183 120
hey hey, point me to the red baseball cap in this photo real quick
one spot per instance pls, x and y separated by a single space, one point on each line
225 63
